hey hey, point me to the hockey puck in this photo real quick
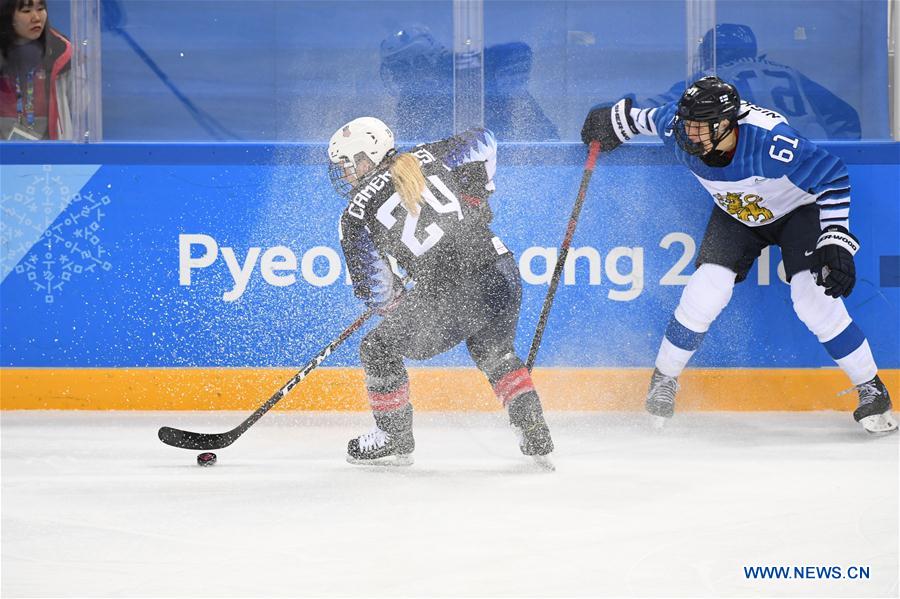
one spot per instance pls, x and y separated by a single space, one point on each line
206 459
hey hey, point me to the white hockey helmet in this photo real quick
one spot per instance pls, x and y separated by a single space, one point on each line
366 135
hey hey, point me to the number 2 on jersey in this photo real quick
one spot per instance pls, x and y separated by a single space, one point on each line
433 232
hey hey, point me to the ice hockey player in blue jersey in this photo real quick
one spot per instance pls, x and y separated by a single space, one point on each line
771 187
427 210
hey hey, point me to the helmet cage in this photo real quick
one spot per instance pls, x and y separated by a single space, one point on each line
707 101
714 133
341 175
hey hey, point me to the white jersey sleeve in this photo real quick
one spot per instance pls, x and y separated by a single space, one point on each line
643 119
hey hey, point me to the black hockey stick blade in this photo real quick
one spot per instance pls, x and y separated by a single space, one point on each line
202 441
208 441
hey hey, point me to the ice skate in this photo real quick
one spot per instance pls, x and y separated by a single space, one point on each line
874 410
661 398
390 443
379 448
527 420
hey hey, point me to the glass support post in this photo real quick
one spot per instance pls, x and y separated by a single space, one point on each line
893 7
87 106
700 17
468 64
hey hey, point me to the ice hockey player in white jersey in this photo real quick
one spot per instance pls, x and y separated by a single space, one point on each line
772 187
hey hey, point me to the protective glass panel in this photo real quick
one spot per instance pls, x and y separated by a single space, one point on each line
272 70
293 70
823 64
547 63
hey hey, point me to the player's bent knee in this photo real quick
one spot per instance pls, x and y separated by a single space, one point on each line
705 296
824 316
374 349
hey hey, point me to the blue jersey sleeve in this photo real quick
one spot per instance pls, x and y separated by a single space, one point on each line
372 277
813 170
839 119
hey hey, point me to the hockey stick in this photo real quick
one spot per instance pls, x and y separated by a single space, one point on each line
207 441
593 152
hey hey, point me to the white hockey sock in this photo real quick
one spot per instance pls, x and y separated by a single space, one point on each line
671 359
827 318
859 365
704 297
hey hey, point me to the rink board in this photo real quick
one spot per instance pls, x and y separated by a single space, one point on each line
198 276
432 389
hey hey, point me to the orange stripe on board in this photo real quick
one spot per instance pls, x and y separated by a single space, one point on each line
430 388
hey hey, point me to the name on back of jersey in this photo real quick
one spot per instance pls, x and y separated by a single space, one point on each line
754 114
357 207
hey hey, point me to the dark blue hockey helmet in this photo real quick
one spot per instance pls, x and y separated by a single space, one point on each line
732 42
410 57
507 67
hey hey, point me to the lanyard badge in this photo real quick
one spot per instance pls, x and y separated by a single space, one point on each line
24 129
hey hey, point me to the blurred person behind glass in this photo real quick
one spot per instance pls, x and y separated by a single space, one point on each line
812 110
35 74
418 70
509 108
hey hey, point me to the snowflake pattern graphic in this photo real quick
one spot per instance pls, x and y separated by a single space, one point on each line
69 227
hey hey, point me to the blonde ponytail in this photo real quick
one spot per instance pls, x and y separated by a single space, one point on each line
409 181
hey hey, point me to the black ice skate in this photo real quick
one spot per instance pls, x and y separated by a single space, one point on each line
874 410
661 397
390 443
527 419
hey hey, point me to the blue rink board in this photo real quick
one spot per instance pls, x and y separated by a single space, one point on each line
93 281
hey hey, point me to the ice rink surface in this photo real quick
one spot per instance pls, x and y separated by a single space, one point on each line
94 505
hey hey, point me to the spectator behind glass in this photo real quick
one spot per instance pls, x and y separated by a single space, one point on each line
418 71
809 108
35 74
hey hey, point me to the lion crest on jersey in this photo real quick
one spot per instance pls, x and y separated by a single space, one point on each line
745 208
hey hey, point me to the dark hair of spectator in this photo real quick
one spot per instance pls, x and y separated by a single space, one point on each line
7 33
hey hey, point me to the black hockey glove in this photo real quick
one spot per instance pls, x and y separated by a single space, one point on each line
473 178
835 270
609 125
